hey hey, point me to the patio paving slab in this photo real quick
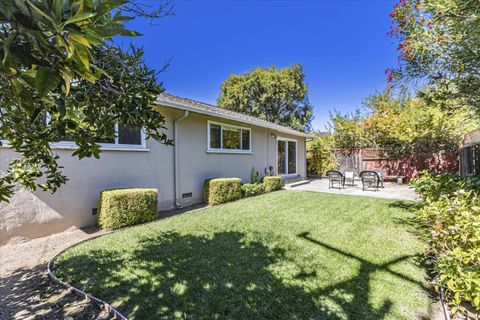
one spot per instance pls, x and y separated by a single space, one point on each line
390 191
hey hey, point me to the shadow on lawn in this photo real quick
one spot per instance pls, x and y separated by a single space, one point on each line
359 307
219 277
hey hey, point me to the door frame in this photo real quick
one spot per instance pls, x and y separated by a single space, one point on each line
286 156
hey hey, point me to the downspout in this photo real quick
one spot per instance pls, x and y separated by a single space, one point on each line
175 157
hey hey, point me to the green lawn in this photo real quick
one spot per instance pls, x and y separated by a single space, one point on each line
284 255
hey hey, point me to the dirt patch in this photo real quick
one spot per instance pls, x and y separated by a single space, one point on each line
26 290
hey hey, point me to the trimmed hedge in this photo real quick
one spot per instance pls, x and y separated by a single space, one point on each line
125 207
252 189
272 183
221 190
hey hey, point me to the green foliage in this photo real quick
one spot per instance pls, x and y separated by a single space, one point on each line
221 190
278 96
436 38
452 217
272 183
403 124
320 156
61 78
254 176
119 208
252 189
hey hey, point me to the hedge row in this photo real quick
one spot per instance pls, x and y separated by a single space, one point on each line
119 208
223 190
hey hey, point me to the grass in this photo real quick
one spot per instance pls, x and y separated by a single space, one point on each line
284 255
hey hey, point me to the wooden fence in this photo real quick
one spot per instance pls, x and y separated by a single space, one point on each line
408 166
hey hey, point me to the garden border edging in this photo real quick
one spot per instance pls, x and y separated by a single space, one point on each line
90 298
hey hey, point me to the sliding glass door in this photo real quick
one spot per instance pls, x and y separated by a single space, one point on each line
286 156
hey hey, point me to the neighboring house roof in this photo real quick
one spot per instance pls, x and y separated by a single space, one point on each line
470 139
169 100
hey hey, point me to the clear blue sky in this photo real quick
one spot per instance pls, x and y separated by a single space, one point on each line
341 44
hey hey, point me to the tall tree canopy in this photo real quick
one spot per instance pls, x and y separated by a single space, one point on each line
62 78
438 43
403 124
278 96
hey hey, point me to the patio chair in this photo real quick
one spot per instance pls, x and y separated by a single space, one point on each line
381 176
335 176
370 179
349 178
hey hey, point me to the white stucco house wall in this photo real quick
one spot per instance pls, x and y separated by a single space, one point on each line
209 142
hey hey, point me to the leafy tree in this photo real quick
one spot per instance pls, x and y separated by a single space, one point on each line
404 124
437 43
349 131
320 157
62 78
278 96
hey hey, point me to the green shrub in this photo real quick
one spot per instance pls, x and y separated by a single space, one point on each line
252 189
125 207
221 190
431 186
272 183
320 155
451 215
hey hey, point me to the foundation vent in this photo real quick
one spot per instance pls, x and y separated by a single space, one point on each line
186 195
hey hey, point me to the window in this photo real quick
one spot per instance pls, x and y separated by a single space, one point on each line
282 156
228 138
287 156
127 137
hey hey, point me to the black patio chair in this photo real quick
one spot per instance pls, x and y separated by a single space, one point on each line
335 176
370 179
381 176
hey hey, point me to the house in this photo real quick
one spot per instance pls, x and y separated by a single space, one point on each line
209 142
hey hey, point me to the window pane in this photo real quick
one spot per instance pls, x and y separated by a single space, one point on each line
281 157
129 135
292 157
245 139
97 140
231 138
215 136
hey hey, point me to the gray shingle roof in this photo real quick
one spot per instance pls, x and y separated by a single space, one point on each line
169 100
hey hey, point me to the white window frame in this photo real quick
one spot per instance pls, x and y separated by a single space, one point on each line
103 146
286 156
108 146
221 150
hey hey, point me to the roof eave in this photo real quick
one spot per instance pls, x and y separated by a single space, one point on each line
213 114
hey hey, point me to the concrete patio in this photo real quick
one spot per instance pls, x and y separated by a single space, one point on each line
390 191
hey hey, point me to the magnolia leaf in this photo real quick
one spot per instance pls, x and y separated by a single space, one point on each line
40 12
82 55
67 78
78 18
58 6
86 75
46 80
79 39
